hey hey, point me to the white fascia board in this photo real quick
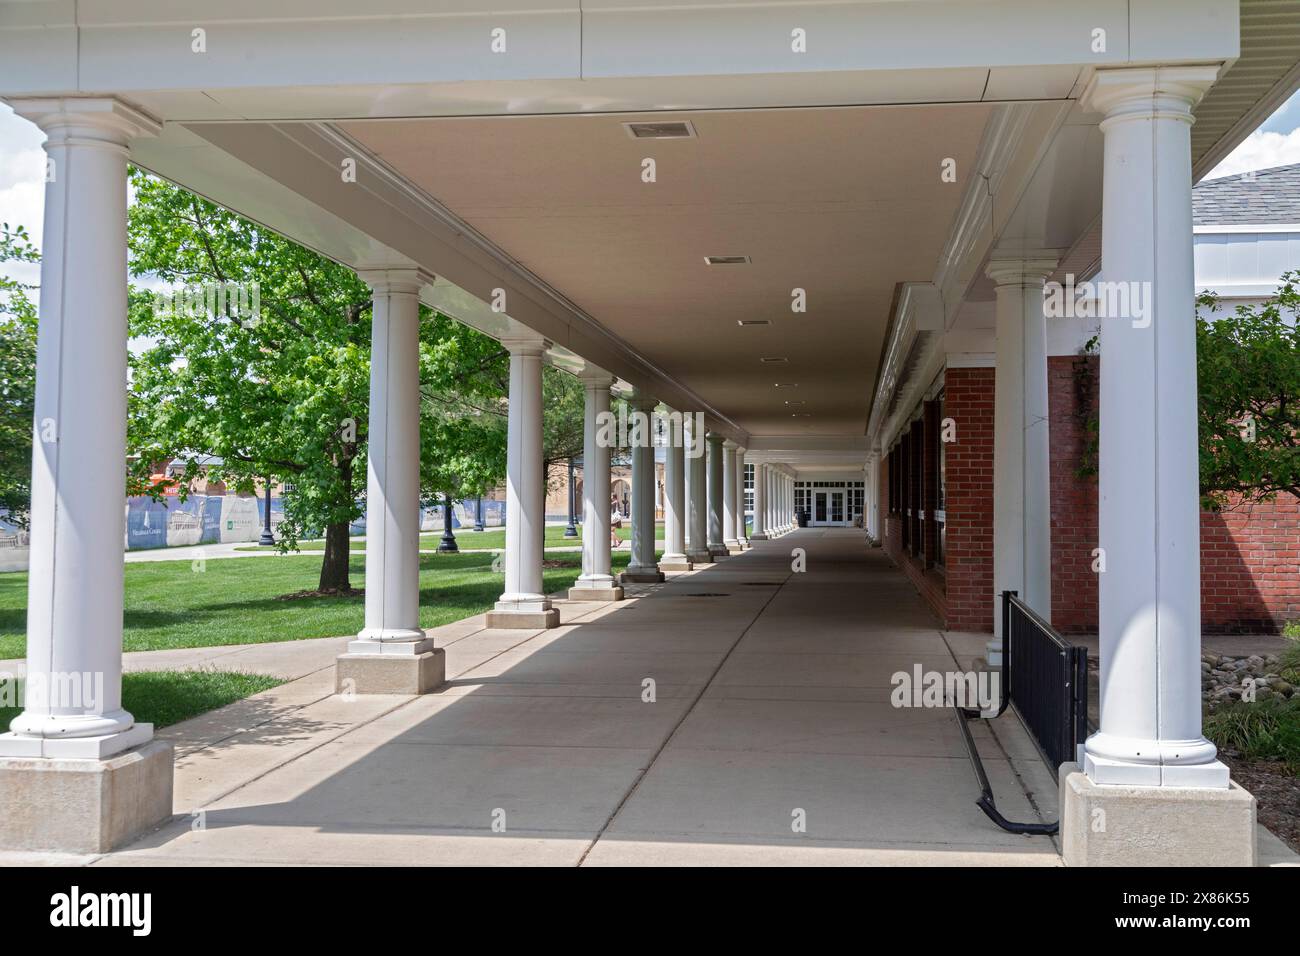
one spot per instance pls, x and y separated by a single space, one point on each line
633 38
1247 229
132 47
971 360
1241 290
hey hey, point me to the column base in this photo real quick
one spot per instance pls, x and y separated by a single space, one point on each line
611 593
676 562
699 557
75 748
732 545
524 620
758 536
1154 826
84 806
737 549
393 668
718 551
641 576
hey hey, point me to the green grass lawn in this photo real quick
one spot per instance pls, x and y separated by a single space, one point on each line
479 540
240 600
168 697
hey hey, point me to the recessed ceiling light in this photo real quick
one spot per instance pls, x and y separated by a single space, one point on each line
726 260
753 321
792 404
800 415
770 360
786 385
672 129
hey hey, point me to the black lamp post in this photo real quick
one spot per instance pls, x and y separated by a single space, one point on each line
267 538
478 514
448 542
570 531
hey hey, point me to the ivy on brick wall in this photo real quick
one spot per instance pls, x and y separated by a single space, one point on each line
1085 407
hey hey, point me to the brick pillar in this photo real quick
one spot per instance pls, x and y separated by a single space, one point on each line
969 563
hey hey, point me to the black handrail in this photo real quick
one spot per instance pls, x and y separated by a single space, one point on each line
1046 679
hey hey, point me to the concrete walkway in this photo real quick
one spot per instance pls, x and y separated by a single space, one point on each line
699 722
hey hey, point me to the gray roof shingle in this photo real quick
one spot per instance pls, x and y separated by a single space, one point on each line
1266 196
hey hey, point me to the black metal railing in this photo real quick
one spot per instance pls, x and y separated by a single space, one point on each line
1045 678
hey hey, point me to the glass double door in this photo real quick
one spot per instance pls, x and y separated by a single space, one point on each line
828 507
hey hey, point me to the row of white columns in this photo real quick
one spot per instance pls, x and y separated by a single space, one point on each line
773 502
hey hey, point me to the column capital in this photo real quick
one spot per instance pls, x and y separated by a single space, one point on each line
384 280
640 401
523 342
1151 91
86 120
1021 270
594 375
713 438
729 444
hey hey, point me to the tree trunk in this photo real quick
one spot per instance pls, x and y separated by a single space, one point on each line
338 554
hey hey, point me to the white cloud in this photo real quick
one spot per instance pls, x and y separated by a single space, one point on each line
22 186
1260 150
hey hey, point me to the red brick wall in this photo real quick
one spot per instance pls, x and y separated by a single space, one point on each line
963 595
1250 572
1074 502
1250 555
968 401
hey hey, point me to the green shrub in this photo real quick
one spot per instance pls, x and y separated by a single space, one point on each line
1260 730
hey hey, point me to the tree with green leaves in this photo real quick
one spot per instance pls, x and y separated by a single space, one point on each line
17 377
1248 371
284 393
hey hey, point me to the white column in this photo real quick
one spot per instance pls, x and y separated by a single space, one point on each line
1022 531
760 503
729 539
393 466
523 604
717 544
596 582
785 501
770 501
674 556
742 536
642 566
697 496
873 496
1149 509
74 591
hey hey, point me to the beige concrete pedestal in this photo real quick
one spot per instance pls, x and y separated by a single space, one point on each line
681 565
641 577
390 673
524 620
1153 826
84 806
596 594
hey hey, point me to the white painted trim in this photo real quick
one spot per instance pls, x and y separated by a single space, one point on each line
1245 229
972 360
